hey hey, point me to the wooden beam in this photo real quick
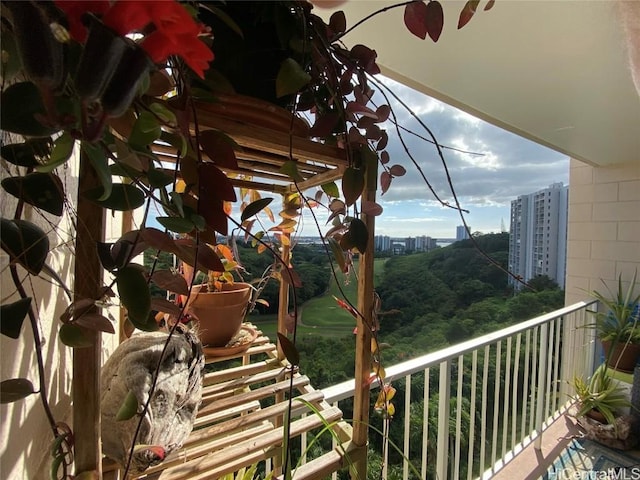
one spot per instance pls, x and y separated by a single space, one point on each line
87 361
363 337
318 179
273 141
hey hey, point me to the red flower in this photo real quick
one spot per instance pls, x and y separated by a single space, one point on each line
188 46
168 16
74 9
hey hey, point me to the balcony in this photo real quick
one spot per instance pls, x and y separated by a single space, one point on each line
496 396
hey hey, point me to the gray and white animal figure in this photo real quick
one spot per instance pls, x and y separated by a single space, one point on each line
174 404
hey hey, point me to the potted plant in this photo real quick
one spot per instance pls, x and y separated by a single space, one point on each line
600 403
219 304
599 398
618 328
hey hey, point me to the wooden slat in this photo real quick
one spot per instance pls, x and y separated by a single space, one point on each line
185 454
246 452
237 372
252 395
267 413
219 389
323 466
227 413
272 141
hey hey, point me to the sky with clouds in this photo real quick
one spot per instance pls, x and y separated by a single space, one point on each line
484 184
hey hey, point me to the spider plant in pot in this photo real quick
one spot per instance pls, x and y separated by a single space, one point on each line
219 304
600 397
618 327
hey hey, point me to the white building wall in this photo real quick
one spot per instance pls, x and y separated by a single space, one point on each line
604 227
25 435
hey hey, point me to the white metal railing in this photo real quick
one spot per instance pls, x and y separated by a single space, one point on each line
495 395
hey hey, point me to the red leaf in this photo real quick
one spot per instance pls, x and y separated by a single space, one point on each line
158 239
467 12
373 133
366 58
219 148
165 306
214 214
365 122
489 5
95 321
415 15
382 144
214 184
355 137
397 170
355 107
383 112
385 182
434 19
208 259
352 184
338 22
371 208
338 206
384 157
167 280
324 125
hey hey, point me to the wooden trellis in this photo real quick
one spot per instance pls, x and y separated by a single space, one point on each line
244 408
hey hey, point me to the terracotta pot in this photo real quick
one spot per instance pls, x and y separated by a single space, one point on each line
220 314
623 357
597 416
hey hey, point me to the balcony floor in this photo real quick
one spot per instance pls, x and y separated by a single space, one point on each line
557 441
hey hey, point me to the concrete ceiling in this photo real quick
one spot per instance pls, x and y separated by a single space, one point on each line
555 72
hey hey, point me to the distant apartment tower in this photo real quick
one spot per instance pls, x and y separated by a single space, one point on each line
538 235
461 233
382 243
425 244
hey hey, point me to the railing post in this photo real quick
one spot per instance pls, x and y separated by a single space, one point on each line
444 387
541 387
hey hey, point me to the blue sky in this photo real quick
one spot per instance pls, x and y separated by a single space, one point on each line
485 184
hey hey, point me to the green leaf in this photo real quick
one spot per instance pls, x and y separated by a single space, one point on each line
42 190
21 103
290 168
352 185
61 152
123 197
176 224
254 208
134 294
129 407
74 336
25 243
145 131
163 113
15 389
337 252
291 78
359 234
158 179
331 189
100 164
30 153
289 349
12 316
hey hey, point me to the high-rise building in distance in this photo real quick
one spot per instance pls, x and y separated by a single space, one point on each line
538 234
